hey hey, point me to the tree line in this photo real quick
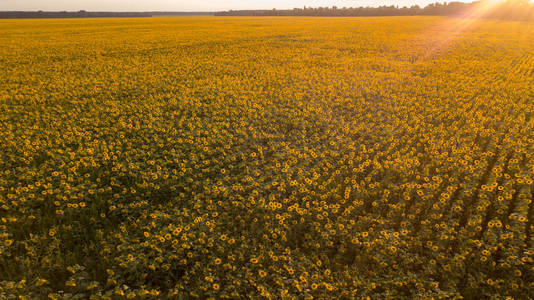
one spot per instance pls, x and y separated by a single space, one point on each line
510 9
69 14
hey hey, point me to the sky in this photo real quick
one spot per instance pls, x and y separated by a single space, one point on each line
192 5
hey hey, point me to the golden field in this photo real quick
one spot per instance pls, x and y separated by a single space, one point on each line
390 158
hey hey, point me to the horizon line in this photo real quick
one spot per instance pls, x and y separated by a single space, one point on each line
232 9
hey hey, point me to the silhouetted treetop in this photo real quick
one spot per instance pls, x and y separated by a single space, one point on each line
511 9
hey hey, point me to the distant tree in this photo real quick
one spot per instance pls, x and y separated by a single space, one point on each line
511 9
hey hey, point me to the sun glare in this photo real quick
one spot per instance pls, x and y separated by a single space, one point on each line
450 30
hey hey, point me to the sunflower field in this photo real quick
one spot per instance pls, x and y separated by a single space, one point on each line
274 158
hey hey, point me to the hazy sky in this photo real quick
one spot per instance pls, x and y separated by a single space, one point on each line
191 5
